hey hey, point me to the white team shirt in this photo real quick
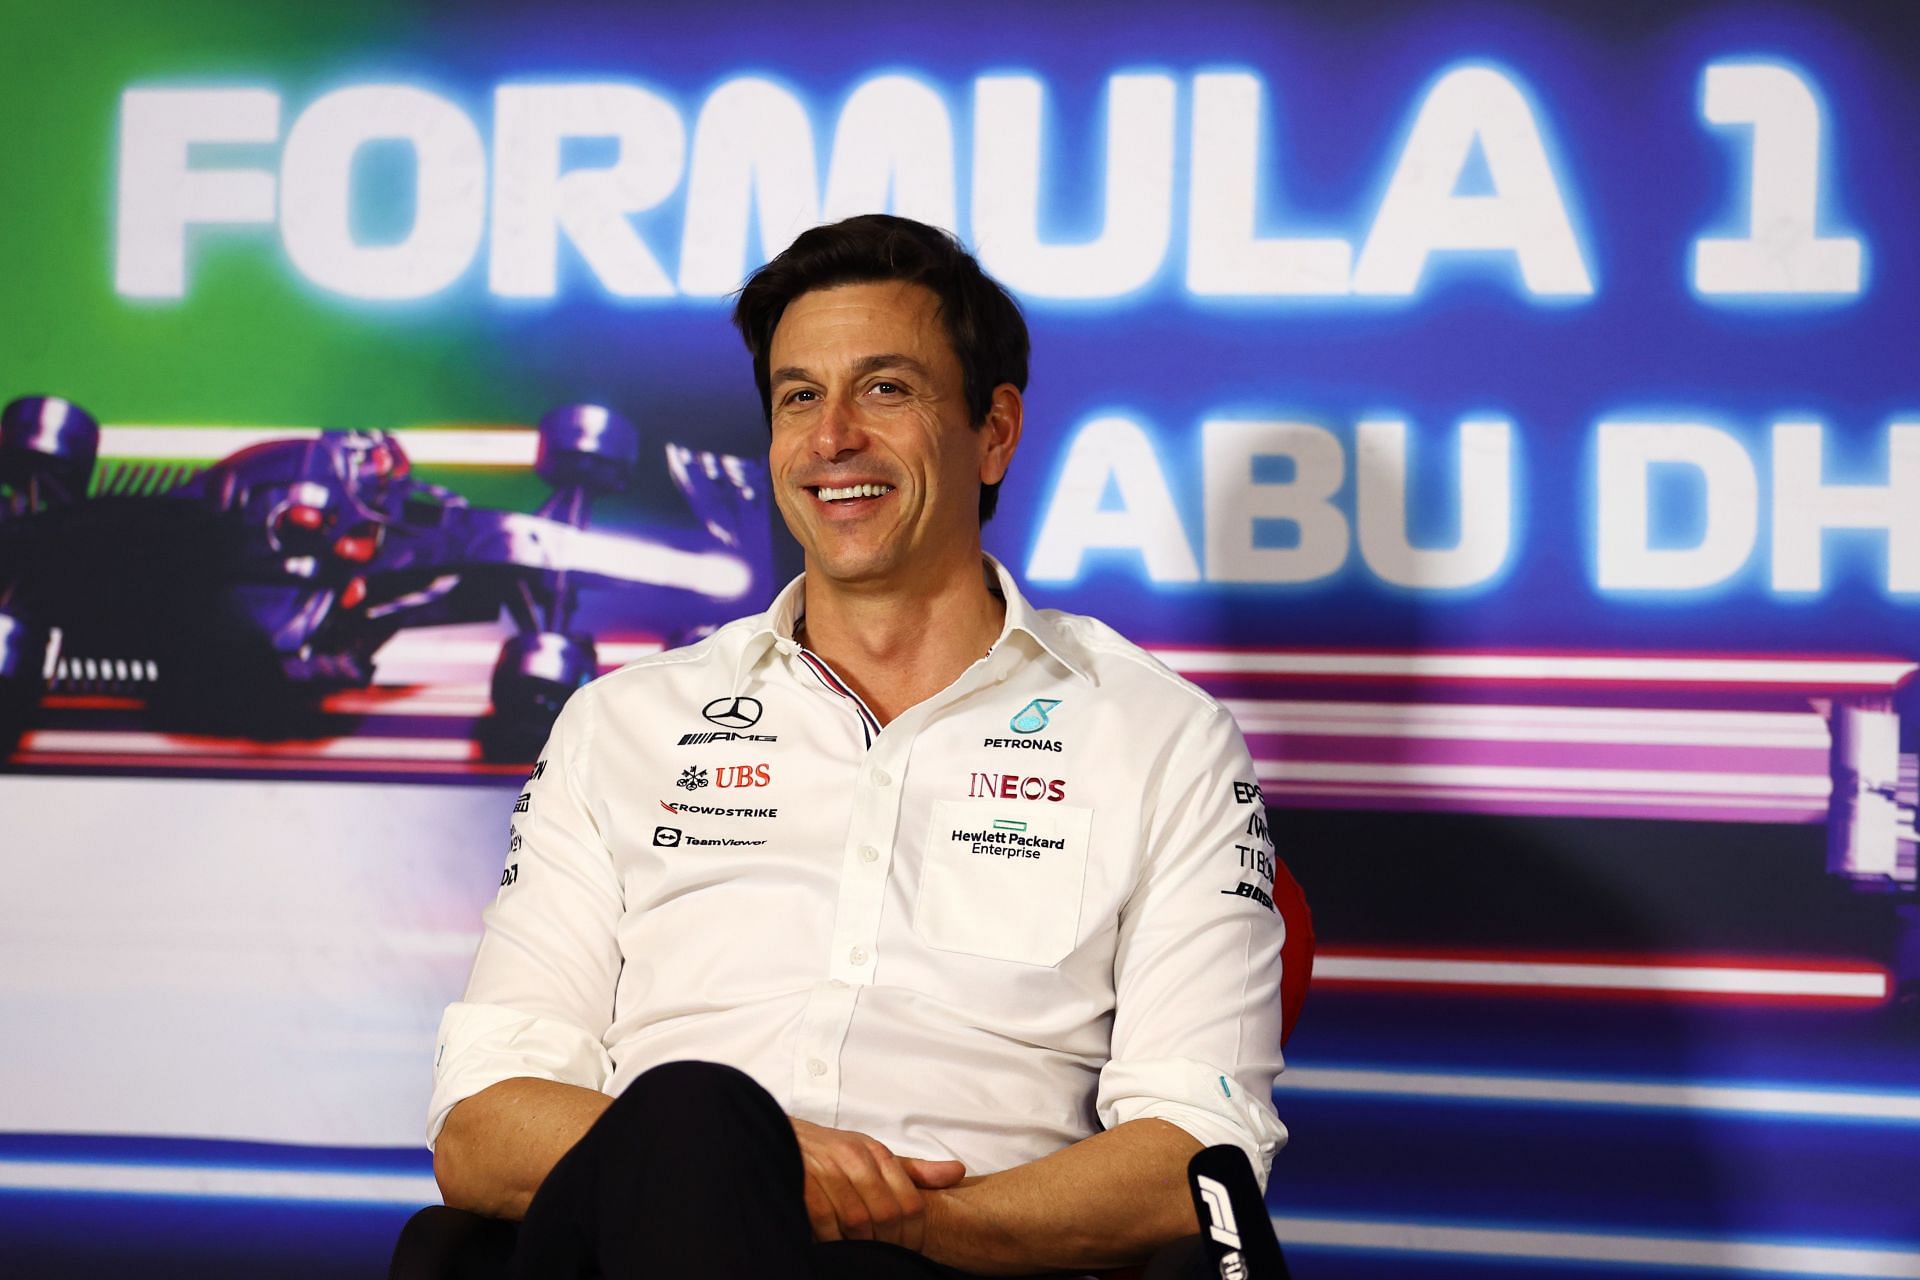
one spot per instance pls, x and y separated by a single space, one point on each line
1031 907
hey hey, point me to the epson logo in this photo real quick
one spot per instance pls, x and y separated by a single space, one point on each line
1012 786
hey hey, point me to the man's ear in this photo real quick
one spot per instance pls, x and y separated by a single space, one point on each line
1000 433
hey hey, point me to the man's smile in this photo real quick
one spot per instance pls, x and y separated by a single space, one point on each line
851 495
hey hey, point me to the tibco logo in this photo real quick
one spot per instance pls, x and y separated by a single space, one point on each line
1011 786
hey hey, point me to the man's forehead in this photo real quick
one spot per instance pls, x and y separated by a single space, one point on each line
851 322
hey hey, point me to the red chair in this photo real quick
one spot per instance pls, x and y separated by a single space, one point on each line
1296 952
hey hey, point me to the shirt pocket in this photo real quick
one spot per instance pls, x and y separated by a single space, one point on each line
1002 879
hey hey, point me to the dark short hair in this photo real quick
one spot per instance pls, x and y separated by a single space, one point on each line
982 320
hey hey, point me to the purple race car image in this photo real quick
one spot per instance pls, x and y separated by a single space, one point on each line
234 599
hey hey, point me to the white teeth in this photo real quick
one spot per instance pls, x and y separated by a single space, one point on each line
830 494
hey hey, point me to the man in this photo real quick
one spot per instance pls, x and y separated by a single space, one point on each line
959 887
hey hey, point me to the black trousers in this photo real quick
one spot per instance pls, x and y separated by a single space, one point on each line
695 1171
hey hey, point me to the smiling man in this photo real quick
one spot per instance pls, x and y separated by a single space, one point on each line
902 930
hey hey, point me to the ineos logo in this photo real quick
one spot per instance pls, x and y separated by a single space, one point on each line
734 713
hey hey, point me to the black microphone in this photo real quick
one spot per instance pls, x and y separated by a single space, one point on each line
1233 1216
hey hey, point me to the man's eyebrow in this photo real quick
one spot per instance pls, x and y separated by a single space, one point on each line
861 367
888 360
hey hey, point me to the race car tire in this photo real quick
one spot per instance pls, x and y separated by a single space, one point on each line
589 447
23 656
533 678
47 439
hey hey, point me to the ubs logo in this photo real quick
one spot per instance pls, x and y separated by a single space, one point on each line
1011 786
742 775
733 713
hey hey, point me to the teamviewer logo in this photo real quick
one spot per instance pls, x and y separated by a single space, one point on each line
666 837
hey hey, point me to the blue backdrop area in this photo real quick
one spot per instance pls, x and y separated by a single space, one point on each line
1509 410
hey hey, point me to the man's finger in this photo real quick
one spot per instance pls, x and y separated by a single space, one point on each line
909 1229
826 1225
933 1175
850 1218
878 1214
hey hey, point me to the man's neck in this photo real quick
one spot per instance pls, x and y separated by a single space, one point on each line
898 645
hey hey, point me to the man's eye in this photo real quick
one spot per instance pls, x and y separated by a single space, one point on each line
886 388
799 395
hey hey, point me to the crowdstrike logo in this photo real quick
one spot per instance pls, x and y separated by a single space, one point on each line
713 811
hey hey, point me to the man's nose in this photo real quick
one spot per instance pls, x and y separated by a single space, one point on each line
837 430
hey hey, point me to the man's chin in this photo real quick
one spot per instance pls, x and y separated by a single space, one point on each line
853 563
854 568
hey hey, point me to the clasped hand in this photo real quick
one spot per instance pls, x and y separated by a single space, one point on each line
857 1189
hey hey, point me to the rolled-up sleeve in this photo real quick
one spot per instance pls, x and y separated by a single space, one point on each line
540 997
1196 1031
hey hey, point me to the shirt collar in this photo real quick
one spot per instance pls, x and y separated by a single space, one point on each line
1022 616
774 628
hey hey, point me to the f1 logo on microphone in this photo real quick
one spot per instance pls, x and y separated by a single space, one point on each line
1219 1208
1227 1202
1222 1227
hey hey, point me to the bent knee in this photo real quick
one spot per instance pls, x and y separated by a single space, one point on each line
692 1088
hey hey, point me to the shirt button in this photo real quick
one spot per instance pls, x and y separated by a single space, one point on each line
868 853
858 955
815 1067
880 778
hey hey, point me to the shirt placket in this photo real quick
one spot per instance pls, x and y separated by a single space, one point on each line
854 951
866 860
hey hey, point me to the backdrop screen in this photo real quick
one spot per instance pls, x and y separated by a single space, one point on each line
1509 411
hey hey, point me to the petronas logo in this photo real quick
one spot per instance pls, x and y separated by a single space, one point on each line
1032 718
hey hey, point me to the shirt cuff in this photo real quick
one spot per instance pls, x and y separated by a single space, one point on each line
1214 1106
482 1044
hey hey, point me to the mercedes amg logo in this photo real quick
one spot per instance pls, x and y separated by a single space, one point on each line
734 713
